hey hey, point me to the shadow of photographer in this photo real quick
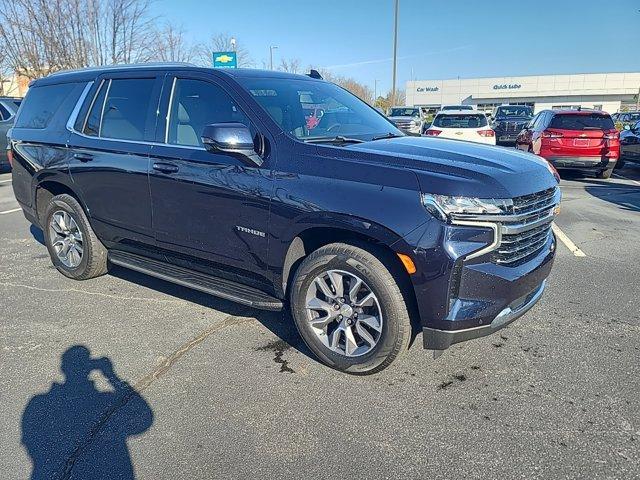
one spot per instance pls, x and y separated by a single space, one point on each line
77 431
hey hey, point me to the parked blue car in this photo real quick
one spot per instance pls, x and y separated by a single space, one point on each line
277 191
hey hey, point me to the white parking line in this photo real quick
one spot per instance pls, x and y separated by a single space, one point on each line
5 181
10 211
617 175
567 241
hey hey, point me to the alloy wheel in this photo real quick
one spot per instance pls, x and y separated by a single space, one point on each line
66 239
344 313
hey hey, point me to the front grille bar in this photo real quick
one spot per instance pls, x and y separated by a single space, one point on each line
520 234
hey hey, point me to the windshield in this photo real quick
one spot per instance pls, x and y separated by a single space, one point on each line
310 109
593 121
633 117
513 111
460 121
404 112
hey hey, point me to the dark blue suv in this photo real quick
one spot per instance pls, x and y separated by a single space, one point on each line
273 190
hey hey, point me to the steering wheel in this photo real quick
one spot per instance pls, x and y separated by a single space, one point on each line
335 126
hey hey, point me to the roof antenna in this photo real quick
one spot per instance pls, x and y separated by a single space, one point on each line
314 74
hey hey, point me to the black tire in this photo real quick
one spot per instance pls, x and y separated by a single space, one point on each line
605 173
619 164
396 326
93 261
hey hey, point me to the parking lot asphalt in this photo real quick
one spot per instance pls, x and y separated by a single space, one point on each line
223 391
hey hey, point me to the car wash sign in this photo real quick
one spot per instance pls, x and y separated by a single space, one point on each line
225 60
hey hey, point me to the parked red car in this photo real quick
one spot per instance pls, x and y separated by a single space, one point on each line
585 140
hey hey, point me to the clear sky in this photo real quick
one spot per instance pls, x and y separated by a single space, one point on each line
437 38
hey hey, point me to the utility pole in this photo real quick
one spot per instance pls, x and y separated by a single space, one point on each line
395 52
375 91
271 49
638 100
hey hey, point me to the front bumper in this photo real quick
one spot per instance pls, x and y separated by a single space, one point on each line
502 137
436 339
462 292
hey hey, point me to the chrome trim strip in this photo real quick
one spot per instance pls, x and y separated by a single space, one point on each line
168 117
497 236
76 110
508 315
523 227
104 104
505 316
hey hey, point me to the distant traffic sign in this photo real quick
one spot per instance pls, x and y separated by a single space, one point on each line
225 60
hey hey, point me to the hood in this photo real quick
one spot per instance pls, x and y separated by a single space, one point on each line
454 167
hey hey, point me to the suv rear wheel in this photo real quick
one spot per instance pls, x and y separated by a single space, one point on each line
73 246
349 309
605 173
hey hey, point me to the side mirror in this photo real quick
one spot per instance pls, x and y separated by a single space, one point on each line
234 138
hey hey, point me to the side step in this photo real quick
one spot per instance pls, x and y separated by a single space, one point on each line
215 286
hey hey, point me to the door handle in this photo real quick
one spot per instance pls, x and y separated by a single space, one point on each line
165 167
83 157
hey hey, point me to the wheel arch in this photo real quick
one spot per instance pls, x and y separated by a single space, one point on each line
313 238
49 188
370 236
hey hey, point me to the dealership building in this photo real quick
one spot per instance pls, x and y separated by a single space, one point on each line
610 92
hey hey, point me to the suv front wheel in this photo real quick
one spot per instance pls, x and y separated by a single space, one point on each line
73 246
349 309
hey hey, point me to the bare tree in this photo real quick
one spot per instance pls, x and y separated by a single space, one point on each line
171 45
38 37
292 65
360 90
222 43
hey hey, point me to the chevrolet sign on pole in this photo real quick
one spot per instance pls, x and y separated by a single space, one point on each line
225 60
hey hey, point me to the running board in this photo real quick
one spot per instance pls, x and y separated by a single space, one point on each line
219 287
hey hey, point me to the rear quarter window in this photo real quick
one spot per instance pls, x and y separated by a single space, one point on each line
582 122
41 104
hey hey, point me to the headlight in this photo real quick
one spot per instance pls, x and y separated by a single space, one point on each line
443 206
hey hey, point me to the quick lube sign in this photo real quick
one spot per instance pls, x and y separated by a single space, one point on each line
507 86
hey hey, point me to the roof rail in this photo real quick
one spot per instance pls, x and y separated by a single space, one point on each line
124 66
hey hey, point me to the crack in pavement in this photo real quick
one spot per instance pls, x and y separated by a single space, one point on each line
99 294
143 383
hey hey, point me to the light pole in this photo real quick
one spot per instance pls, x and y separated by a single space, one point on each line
375 91
395 52
271 49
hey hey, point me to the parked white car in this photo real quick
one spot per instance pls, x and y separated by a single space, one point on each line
470 126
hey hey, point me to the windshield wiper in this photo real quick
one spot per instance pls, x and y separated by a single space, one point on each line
387 135
339 139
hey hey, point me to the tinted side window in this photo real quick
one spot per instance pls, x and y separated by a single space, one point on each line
195 104
4 113
41 104
121 109
539 120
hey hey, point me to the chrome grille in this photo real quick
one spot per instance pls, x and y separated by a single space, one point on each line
403 123
524 229
513 127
